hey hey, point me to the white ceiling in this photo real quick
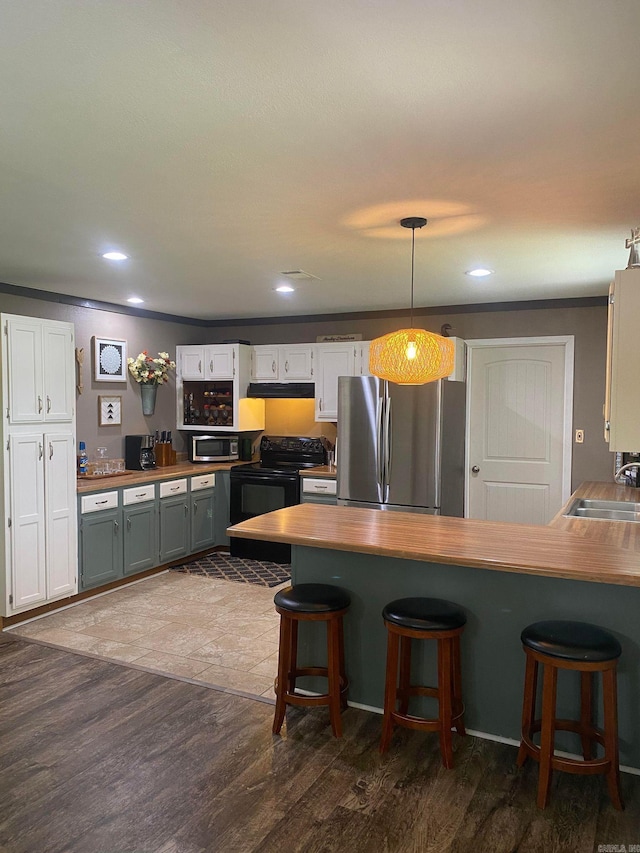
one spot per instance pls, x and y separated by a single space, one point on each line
219 142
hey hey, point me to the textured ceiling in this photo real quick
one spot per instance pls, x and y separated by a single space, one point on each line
219 143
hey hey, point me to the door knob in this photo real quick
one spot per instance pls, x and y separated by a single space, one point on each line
475 469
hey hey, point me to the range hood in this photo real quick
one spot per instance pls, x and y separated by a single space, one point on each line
282 390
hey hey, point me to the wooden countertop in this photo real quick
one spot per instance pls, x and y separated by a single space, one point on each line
552 551
137 478
618 534
320 471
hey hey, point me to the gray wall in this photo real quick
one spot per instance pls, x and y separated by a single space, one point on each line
591 460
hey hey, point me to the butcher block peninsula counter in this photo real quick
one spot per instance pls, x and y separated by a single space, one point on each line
505 576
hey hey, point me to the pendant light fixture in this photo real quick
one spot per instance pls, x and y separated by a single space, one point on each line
411 356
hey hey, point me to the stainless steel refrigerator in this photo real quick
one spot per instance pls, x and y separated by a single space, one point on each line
401 447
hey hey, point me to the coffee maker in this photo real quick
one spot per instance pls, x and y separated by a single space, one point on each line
139 454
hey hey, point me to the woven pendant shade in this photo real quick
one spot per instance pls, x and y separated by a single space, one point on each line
411 357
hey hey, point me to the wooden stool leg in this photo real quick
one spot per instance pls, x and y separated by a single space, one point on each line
343 668
405 674
284 666
610 697
293 655
333 667
549 689
586 721
390 689
457 688
528 703
445 695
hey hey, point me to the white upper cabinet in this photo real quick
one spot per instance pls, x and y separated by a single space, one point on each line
191 362
622 424
296 363
333 360
40 370
264 363
215 361
220 361
282 363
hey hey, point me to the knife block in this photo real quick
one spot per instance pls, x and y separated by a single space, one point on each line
165 454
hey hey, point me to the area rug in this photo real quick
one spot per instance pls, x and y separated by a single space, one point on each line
221 565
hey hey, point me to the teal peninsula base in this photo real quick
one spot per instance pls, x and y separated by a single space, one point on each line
499 604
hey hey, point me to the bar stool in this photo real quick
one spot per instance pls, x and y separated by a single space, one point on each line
311 602
587 649
424 619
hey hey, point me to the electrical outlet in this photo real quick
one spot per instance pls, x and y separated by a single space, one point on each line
579 436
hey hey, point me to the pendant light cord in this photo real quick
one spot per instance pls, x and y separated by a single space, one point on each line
413 254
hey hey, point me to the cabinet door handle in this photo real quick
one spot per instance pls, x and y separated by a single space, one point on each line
320 488
286 367
174 488
129 523
273 366
39 404
48 404
200 366
142 495
186 509
195 509
102 502
116 527
40 451
234 362
50 450
211 366
320 404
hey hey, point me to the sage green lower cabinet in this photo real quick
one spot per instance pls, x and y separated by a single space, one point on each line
203 534
100 547
174 528
140 538
329 500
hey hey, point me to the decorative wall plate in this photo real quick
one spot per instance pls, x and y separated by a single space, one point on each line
110 360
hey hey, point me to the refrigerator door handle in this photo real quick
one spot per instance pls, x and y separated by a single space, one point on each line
388 426
379 445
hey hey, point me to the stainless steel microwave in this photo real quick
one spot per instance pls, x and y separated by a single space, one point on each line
213 448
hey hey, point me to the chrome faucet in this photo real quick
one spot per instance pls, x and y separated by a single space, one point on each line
624 468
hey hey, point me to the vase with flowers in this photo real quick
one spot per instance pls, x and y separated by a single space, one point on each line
150 372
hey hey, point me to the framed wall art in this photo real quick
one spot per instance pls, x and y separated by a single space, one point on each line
109 411
110 360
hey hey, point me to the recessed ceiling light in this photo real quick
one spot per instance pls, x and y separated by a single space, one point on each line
115 256
480 272
135 300
285 288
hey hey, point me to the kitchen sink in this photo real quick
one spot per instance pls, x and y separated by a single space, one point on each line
604 510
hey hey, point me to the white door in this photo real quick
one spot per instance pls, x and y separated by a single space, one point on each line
24 344
520 401
58 372
27 519
60 509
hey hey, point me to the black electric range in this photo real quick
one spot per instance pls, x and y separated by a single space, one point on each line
270 484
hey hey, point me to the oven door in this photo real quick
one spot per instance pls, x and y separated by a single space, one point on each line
253 493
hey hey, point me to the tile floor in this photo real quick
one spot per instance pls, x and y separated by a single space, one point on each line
213 632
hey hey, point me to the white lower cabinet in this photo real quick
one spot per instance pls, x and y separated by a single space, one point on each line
42 553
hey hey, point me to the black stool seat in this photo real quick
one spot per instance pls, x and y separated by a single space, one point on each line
574 641
312 598
424 614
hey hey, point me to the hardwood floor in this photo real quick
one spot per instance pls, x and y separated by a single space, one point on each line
99 758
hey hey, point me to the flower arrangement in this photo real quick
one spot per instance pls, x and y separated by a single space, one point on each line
151 371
